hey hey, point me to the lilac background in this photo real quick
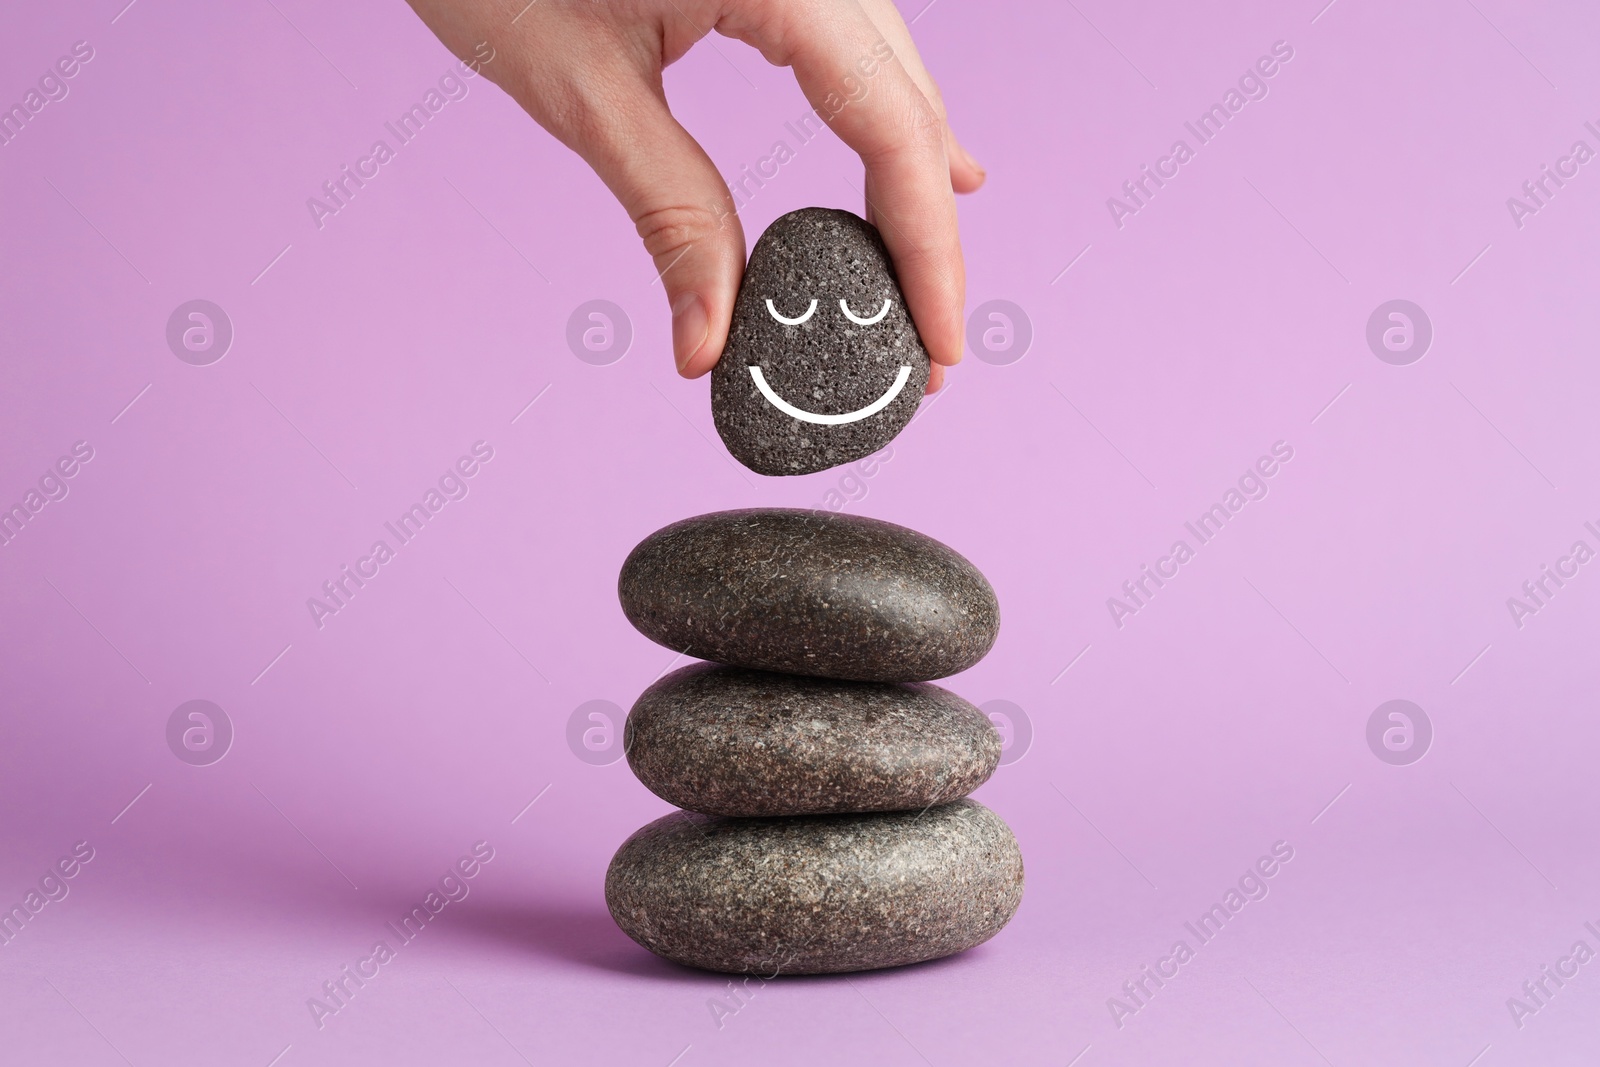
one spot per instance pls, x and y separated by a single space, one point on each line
1225 316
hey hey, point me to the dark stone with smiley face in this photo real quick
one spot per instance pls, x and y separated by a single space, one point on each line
823 364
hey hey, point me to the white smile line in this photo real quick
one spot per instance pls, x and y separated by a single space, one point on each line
831 420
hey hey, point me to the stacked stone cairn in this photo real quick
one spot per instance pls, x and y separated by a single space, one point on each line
823 779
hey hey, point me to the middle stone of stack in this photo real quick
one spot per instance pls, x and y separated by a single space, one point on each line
826 631
729 741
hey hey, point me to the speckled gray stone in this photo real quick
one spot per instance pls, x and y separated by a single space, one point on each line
810 592
815 894
730 741
827 365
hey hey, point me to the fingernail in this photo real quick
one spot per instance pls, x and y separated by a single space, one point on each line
689 327
972 160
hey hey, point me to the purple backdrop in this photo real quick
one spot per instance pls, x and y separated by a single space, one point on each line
1161 747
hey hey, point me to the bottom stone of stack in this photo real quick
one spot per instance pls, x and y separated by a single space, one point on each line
816 894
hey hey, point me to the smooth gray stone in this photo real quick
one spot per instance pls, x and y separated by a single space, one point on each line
816 894
826 365
810 592
731 741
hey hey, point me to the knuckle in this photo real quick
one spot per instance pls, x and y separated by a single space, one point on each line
670 230
923 124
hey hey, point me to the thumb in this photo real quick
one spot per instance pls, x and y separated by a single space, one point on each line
683 212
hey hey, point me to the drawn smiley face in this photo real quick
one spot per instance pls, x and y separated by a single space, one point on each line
823 364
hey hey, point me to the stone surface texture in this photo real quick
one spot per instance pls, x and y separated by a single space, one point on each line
826 365
813 593
730 741
816 894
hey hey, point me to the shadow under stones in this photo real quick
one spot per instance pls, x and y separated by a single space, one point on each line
569 933
586 936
